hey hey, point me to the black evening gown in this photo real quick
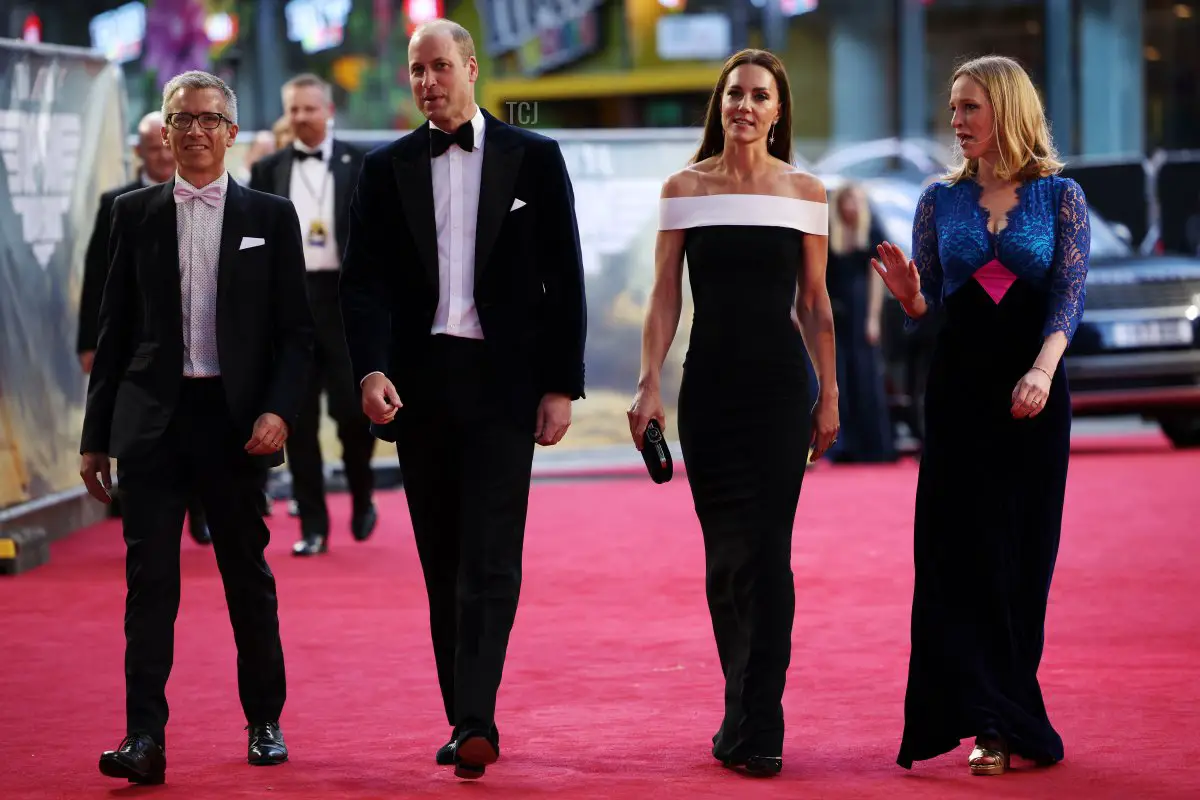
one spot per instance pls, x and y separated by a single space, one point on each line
744 426
866 427
990 492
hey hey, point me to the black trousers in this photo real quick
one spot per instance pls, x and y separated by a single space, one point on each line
335 377
200 453
466 468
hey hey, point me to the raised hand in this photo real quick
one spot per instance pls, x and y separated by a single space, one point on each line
899 274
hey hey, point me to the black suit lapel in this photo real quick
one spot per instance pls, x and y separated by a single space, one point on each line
502 153
283 173
414 180
161 219
231 234
343 179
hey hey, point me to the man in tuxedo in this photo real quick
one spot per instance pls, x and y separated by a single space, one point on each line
158 165
204 349
463 299
317 172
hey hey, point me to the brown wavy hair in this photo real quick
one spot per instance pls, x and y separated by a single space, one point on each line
1022 133
713 141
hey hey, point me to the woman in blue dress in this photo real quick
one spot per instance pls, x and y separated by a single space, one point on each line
753 230
1000 247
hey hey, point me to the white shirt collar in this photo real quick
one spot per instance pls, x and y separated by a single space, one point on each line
477 124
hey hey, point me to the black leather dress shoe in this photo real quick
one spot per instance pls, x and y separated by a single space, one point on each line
445 754
757 766
138 760
266 747
198 528
311 545
362 523
474 750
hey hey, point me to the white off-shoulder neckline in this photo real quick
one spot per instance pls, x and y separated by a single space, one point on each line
769 210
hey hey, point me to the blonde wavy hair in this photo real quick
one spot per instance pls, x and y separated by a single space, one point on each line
1022 133
842 238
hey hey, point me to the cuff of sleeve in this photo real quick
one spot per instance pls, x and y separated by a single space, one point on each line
369 374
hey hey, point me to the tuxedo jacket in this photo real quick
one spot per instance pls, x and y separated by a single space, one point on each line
95 268
264 324
529 286
273 174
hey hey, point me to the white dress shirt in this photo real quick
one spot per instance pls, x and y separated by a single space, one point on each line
198 226
312 193
456 176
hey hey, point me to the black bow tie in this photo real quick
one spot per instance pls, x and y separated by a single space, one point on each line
303 154
464 137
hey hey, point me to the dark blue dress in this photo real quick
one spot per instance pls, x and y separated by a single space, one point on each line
990 493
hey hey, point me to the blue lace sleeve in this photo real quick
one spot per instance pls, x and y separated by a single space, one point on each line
925 254
1072 248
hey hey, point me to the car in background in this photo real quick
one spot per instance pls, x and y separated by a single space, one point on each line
1137 348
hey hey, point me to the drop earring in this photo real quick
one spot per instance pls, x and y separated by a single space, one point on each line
771 135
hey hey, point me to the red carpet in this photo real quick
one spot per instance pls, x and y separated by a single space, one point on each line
612 688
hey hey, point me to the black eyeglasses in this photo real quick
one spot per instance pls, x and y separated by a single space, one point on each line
182 120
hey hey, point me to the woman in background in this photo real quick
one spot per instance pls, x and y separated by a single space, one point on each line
1002 245
856 293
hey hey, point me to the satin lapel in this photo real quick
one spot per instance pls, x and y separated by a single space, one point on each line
343 181
161 219
502 154
231 235
414 181
283 173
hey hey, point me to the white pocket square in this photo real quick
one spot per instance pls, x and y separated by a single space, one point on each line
251 241
517 203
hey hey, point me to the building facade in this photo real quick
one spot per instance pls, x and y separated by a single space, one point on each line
1119 77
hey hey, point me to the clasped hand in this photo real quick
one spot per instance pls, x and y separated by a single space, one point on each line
381 401
270 432
1030 395
647 405
268 436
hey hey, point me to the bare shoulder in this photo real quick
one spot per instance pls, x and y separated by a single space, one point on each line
805 186
687 182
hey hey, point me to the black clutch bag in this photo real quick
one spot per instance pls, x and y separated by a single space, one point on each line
656 454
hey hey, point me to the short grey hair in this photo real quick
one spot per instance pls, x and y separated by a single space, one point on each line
195 79
151 122
309 79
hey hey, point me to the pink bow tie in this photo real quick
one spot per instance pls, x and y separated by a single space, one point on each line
210 194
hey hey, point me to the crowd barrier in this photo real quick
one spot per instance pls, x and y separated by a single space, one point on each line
62 123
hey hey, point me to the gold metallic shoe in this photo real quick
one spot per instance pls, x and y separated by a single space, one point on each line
979 767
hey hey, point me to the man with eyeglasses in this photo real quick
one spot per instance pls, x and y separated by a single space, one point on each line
204 348
318 173
158 165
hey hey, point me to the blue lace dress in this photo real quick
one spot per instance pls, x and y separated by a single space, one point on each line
990 493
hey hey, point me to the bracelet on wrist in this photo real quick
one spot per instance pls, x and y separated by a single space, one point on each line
1044 371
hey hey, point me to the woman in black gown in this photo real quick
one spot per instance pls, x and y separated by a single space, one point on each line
1002 246
753 230
857 296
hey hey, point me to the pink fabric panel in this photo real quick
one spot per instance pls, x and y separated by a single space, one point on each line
995 279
